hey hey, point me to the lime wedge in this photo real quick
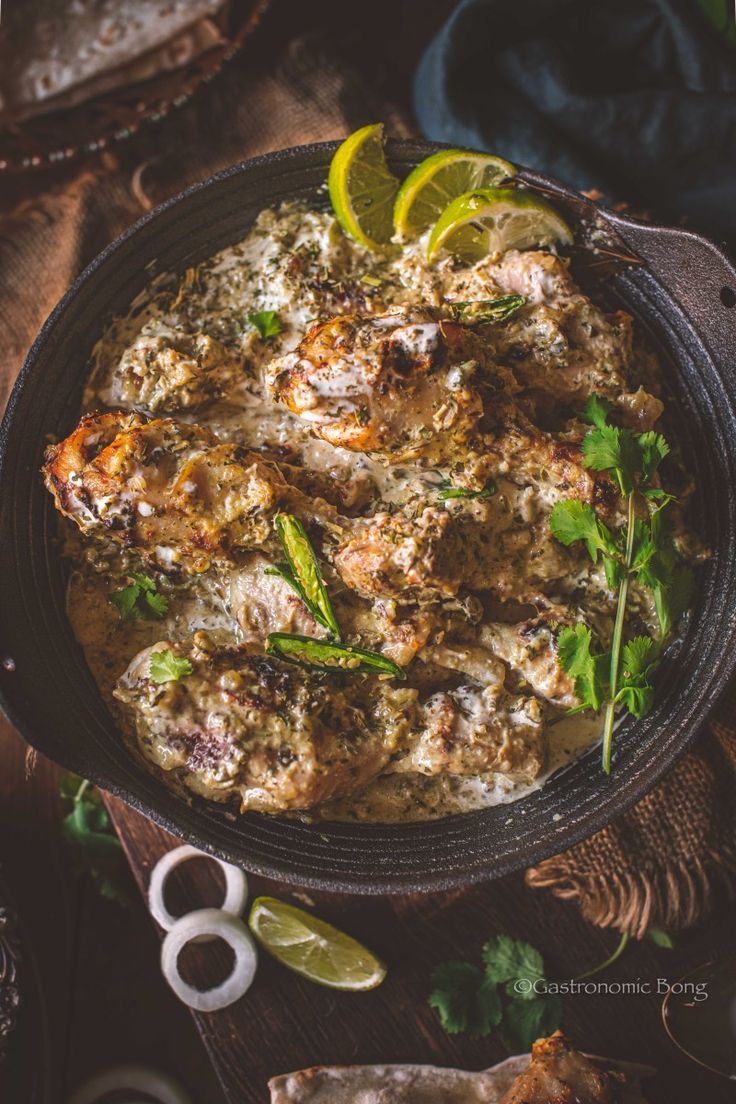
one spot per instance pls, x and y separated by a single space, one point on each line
489 221
362 189
313 948
438 180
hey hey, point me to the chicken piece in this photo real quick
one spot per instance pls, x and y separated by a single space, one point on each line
166 369
169 490
264 603
528 649
559 1074
280 737
478 730
393 556
560 343
502 544
401 386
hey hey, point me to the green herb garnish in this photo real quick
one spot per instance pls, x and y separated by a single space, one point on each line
465 999
507 992
326 656
266 322
301 571
660 937
94 848
488 310
643 550
166 666
140 599
448 491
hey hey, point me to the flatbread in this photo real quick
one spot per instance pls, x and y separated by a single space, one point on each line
48 48
419 1084
395 1084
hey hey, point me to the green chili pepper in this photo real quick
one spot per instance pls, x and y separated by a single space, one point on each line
301 571
488 310
448 491
326 656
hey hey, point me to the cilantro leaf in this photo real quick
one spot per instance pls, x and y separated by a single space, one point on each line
596 411
465 999
266 322
93 847
644 545
589 671
125 601
145 582
166 666
672 598
140 599
156 603
639 655
526 1021
573 520
660 937
654 448
510 960
614 450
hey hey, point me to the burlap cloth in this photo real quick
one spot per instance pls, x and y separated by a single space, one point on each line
662 862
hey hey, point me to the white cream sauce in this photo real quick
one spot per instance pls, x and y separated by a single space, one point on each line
257 275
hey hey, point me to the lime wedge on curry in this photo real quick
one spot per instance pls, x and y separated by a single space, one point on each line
488 221
314 948
439 179
362 189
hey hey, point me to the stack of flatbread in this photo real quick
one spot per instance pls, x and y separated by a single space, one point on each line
554 1072
55 54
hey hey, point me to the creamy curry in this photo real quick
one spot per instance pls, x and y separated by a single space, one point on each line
422 444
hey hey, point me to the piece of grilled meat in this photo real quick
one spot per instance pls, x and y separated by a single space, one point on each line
281 737
169 490
559 1074
399 386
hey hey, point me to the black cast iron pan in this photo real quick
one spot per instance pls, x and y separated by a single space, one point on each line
684 294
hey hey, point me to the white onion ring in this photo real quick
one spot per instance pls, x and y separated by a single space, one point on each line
216 924
236 885
140 1079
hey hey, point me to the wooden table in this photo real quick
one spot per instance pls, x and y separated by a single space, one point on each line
97 967
105 1001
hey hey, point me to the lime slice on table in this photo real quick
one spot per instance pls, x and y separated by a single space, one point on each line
491 220
314 948
362 189
439 179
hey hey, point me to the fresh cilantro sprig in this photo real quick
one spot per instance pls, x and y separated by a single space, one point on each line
166 666
266 322
94 848
509 991
504 992
642 550
139 599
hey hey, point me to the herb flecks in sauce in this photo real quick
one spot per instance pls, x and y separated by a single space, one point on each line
462 588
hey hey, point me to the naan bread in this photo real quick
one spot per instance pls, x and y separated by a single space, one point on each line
395 1084
54 53
425 1084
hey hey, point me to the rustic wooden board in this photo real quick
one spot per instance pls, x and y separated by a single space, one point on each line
285 1023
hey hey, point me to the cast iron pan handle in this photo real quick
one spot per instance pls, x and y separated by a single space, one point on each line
697 274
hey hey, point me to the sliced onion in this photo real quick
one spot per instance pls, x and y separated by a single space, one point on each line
236 885
216 924
137 1079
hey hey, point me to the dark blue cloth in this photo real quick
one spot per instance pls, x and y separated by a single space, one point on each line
634 97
